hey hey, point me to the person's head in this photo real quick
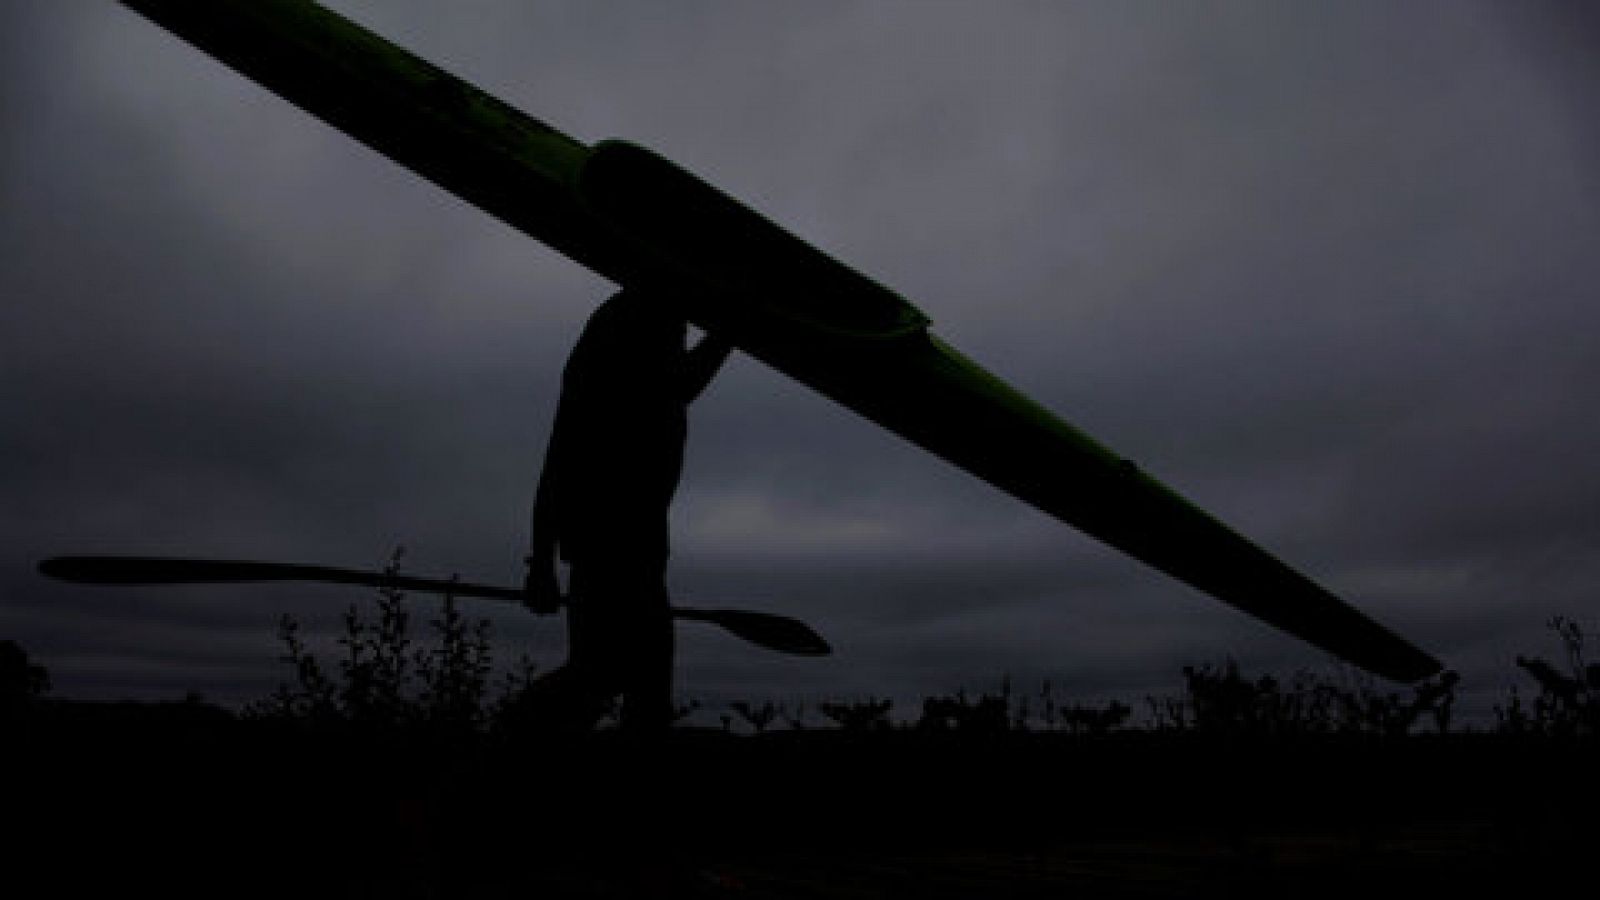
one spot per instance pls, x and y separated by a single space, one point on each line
639 328
648 315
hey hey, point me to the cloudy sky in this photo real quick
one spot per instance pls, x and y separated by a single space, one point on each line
1327 269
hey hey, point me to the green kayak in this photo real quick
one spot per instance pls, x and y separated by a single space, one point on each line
641 221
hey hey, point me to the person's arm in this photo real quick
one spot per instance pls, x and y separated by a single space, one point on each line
702 363
542 587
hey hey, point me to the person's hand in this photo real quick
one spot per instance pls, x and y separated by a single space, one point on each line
541 592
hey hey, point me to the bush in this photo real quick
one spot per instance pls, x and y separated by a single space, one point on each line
1220 700
1568 703
384 682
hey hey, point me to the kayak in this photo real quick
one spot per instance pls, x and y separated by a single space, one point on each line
643 222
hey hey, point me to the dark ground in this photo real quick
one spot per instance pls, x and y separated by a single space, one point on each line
186 799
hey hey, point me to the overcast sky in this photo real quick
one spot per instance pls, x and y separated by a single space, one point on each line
1327 269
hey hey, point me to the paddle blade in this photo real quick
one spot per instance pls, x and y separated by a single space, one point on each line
157 570
166 570
768 630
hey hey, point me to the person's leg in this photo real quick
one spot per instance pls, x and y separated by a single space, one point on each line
620 640
563 700
647 669
578 694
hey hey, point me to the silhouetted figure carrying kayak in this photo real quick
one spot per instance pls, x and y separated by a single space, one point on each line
612 467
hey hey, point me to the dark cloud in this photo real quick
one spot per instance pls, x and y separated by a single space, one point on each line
1326 269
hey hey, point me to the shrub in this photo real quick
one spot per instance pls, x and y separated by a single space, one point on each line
860 716
1221 700
385 682
1568 703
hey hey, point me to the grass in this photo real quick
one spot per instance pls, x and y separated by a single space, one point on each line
396 768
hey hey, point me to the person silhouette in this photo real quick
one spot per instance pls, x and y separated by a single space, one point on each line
612 466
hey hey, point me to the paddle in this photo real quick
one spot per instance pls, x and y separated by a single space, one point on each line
769 630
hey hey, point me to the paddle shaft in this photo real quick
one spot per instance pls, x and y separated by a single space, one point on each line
773 631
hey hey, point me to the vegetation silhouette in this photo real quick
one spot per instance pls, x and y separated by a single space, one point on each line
22 681
1568 703
386 681
399 765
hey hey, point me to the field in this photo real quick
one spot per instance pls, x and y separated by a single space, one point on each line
185 798
399 773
